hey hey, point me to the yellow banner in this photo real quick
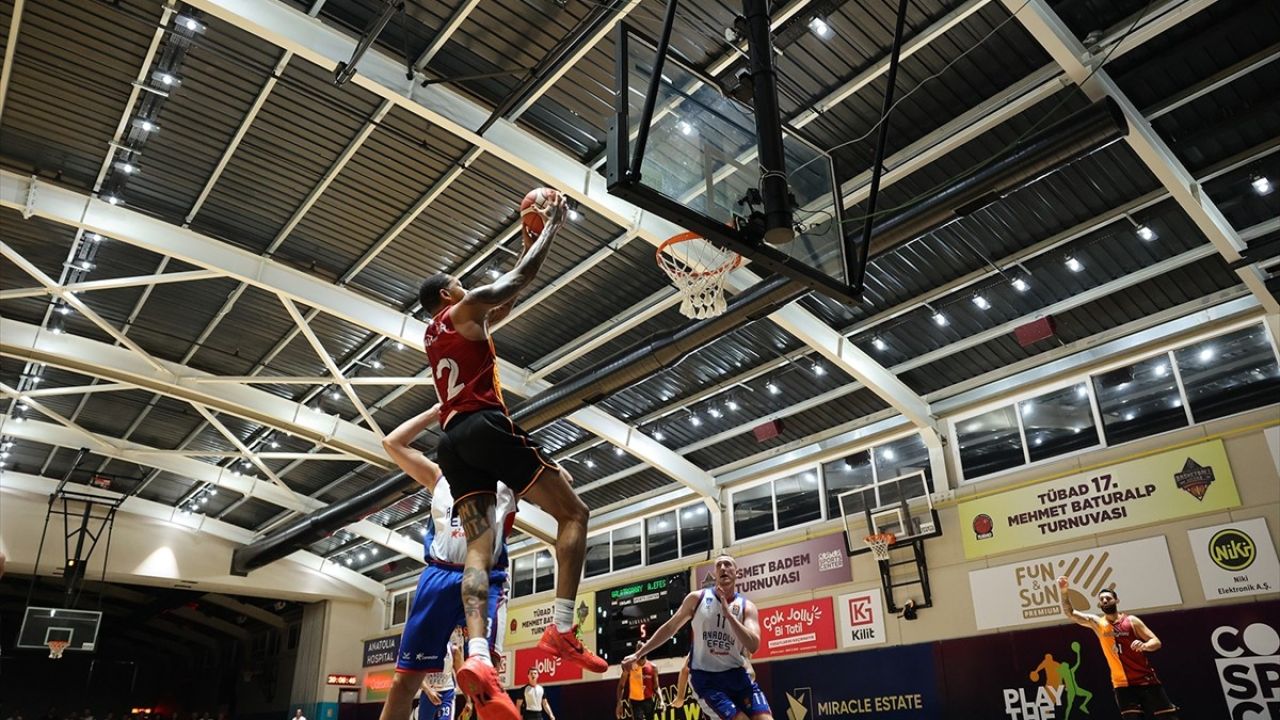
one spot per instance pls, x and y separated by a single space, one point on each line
1172 484
525 624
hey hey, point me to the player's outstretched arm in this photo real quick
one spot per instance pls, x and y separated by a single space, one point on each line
410 459
478 302
1075 616
747 629
1147 640
665 633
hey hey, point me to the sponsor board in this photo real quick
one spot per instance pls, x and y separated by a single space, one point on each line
801 627
789 569
550 669
1235 559
381 651
377 683
1173 484
895 683
861 618
1248 669
1027 592
524 624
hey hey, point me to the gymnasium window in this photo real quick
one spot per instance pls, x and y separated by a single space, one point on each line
662 537
695 530
1229 374
398 607
597 556
990 442
1203 381
522 576
903 456
626 547
848 473
544 575
797 499
1058 422
753 511
1139 400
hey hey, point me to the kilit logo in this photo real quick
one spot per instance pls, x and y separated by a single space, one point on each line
800 704
1232 550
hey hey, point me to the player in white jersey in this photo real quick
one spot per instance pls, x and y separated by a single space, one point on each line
437 605
438 688
726 630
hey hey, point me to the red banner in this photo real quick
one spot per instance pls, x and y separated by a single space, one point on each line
802 627
550 669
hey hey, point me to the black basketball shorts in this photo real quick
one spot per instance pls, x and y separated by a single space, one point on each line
484 447
1150 701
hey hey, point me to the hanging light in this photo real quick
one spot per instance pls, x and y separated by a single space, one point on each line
981 302
879 344
1020 285
819 27
1073 264
1146 233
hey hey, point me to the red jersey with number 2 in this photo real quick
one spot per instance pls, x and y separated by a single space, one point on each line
465 371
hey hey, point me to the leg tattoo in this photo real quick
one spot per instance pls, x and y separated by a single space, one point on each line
475 515
475 595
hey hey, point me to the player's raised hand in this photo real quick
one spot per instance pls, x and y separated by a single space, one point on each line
554 213
1063 583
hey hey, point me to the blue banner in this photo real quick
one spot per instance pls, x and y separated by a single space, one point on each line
896 683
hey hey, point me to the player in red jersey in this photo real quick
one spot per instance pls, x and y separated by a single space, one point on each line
482 445
1125 642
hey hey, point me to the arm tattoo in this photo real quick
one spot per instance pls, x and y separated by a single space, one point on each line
474 513
1066 603
475 593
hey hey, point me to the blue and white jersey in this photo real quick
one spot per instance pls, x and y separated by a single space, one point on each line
446 541
715 647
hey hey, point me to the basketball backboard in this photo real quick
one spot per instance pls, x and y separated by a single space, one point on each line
902 506
694 161
79 628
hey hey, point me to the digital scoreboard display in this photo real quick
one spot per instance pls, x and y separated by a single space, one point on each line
626 615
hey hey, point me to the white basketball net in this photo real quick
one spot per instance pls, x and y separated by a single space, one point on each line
699 270
879 544
56 647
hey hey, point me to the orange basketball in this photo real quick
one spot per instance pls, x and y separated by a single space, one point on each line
537 199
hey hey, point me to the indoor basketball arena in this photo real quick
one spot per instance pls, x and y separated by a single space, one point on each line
639 359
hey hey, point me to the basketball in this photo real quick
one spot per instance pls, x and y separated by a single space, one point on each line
536 200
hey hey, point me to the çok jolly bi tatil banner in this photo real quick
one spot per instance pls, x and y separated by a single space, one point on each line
1172 484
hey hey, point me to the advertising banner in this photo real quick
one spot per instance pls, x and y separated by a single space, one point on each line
550 669
1027 592
801 566
896 683
802 627
525 624
1218 662
380 651
1173 484
861 618
377 683
1236 559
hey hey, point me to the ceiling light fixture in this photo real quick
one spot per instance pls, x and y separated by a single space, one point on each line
1074 265
1020 285
1146 233
879 344
773 389
1262 185
981 302
820 27
657 435
940 320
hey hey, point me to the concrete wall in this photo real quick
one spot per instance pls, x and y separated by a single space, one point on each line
152 551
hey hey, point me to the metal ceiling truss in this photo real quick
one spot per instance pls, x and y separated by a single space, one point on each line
1084 68
451 111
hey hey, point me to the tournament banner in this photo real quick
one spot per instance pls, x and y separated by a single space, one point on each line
1027 592
861 618
381 651
896 683
802 627
525 624
801 566
1174 484
550 669
1235 559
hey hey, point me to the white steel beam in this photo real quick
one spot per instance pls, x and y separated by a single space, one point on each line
10 48
78 390
451 26
334 371
1083 67
112 283
70 298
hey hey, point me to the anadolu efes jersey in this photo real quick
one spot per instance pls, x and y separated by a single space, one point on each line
446 542
715 646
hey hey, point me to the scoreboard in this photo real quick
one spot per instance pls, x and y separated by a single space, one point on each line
628 614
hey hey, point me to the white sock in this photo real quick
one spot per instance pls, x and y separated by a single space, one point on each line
479 647
562 614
